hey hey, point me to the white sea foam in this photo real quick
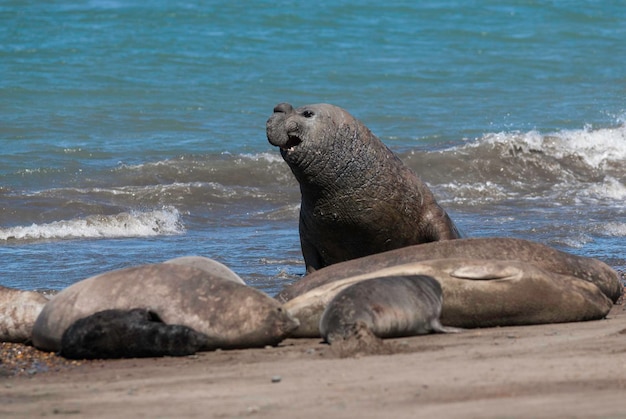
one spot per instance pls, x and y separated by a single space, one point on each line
472 193
614 229
266 156
596 147
579 166
180 162
610 188
575 241
166 221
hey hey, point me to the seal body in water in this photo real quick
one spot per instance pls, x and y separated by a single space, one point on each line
390 307
358 198
128 334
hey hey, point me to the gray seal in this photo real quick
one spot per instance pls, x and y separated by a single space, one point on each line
231 314
544 257
132 333
358 198
18 312
389 307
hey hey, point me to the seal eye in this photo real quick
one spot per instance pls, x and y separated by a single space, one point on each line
308 114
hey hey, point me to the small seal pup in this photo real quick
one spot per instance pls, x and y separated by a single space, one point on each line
476 293
128 334
358 198
389 307
232 315
487 248
18 312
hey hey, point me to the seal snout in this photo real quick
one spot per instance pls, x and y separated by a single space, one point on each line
282 131
283 108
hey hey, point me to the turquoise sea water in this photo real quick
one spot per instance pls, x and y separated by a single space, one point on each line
132 132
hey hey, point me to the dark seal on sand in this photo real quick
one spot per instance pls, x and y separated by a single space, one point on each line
128 334
358 198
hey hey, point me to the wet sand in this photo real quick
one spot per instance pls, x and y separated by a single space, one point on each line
558 370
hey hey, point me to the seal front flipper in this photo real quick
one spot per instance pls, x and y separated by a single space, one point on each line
312 258
356 339
487 270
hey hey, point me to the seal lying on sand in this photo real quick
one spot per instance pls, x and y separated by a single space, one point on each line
230 314
18 312
390 307
476 293
210 265
128 334
358 198
545 257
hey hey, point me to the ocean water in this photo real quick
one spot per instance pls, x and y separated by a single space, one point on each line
133 132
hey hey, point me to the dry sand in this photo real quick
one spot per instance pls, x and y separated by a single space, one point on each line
559 370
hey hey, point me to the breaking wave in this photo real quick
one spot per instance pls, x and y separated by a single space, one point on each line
166 221
569 167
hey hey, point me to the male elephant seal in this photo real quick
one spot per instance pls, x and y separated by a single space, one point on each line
390 307
358 198
128 334
476 293
18 312
545 257
232 315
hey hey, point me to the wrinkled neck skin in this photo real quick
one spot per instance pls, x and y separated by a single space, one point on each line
341 166
336 154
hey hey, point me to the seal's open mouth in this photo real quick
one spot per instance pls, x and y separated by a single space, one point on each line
292 141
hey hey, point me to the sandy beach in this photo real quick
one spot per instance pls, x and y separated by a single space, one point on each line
557 370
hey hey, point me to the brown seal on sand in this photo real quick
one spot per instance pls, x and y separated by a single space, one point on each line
476 293
389 307
18 312
358 198
232 315
545 257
